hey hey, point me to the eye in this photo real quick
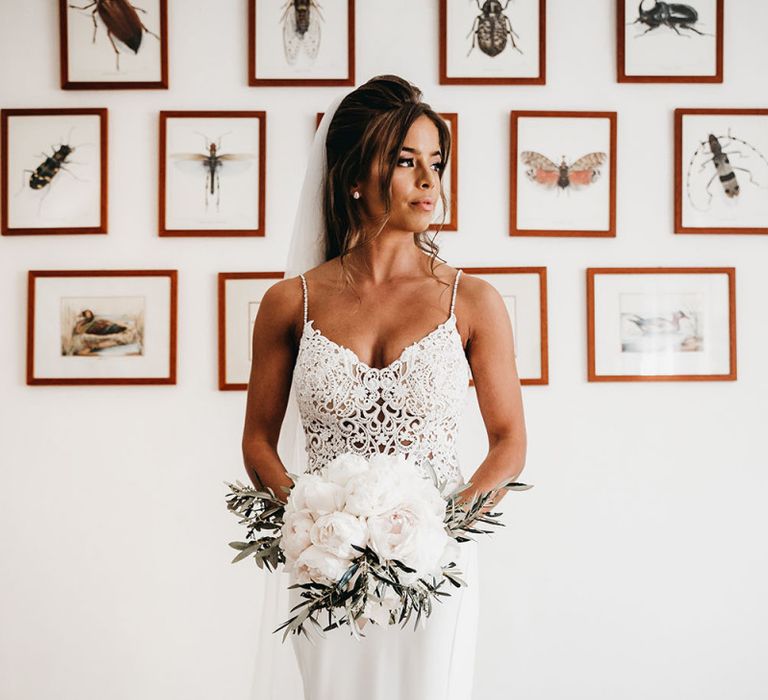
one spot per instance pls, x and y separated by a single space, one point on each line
439 166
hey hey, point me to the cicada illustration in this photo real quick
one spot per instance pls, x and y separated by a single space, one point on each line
122 20
301 29
545 172
212 162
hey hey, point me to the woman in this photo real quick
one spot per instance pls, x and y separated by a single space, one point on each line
378 359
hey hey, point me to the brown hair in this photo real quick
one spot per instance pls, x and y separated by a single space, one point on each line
371 123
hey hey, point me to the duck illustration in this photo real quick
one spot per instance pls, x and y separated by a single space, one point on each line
91 334
657 324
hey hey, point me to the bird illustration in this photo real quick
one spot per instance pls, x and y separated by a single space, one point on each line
657 324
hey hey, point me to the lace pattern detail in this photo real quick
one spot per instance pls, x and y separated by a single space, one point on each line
411 406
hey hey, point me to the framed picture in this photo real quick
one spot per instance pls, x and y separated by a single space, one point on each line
661 324
212 173
113 44
562 174
450 180
101 327
524 290
301 42
661 42
492 42
53 169
721 171
240 294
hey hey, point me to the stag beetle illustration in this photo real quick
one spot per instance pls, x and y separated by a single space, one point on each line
491 28
669 14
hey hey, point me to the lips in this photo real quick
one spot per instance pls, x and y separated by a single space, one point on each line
424 204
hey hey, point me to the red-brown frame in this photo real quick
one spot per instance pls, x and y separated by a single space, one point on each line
513 154
680 112
101 112
294 82
33 275
453 118
164 115
593 271
543 321
67 84
622 77
223 277
540 79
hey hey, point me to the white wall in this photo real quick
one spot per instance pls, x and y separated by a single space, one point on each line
637 566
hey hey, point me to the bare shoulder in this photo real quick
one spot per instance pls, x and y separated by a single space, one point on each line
481 304
282 307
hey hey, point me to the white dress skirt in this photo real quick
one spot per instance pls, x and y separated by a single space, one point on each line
434 662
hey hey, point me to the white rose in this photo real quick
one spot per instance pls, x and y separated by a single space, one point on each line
313 564
312 492
295 533
346 465
372 493
335 533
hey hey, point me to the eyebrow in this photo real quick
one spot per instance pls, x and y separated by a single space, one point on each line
417 151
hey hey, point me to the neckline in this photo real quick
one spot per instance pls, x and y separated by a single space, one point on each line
398 360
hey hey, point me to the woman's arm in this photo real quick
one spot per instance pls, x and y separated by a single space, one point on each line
274 349
491 355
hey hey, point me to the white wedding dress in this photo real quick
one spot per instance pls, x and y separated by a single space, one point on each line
413 406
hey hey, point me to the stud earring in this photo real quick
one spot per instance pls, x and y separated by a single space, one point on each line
356 194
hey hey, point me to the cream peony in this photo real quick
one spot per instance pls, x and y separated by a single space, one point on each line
313 564
295 532
373 492
312 492
335 533
341 469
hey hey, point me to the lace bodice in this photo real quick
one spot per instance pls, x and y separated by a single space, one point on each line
411 406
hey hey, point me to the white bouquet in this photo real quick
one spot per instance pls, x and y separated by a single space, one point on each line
366 539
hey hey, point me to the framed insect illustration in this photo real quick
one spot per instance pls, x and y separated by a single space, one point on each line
53 171
212 173
721 171
113 44
661 324
449 180
669 42
240 294
492 42
301 42
101 327
562 174
524 290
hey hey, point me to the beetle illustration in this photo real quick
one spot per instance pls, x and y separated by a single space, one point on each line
121 20
580 173
713 151
213 162
669 14
301 28
491 28
44 173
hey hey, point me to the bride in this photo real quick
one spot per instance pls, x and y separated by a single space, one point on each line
358 349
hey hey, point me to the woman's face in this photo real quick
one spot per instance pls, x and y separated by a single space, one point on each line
415 187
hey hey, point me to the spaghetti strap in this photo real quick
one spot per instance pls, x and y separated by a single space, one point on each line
453 297
304 285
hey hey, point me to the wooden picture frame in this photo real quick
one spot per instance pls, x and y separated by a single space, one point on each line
458 69
237 311
198 182
53 199
530 285
87 327
452 119
664 33
727 194
129 37
548 177
663 329
281 75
